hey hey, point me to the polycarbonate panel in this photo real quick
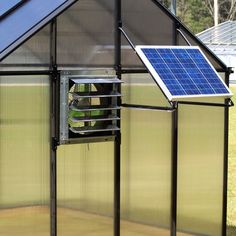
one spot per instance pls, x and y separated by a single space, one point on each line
24 156
146 172
85 189
33 53
200 170
86 34
26 20
138 17
141 89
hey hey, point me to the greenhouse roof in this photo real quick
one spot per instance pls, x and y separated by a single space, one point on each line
19 20
221 38
22 19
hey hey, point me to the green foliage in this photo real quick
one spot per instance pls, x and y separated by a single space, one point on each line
194 14
165 2
198 15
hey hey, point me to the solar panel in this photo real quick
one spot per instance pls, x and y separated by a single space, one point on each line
182 72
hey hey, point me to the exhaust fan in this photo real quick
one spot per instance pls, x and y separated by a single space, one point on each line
88 107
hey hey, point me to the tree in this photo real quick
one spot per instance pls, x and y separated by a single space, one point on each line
194 14
198 15
165 2
227 9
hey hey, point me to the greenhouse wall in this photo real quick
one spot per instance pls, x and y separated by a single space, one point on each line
32 55
201 147
24 155
80 43
85 189
85 171
200 173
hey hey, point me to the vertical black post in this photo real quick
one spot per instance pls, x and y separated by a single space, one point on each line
174 160
54 128
118 23
174 168
117 185
225 167
175 33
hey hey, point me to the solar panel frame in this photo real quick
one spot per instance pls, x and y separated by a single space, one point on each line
163 86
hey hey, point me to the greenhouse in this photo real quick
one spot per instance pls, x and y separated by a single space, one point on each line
96 138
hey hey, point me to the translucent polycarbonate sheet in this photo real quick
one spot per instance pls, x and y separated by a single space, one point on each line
146 171
142 90
24 156
86 34
143 21
200 170
147 23
85 189
33 54
26 20
138 17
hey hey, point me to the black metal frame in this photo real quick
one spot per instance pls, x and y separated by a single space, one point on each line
174 171
54 115
117 156
225 167
54 74
147 107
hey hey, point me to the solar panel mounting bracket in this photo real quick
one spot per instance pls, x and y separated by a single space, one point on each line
228 103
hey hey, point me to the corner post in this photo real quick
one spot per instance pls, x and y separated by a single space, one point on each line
174 170
174 158
54 83
225 167
117 144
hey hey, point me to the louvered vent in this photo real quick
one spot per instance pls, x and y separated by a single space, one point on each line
88 107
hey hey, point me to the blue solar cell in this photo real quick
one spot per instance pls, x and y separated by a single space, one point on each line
184 71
